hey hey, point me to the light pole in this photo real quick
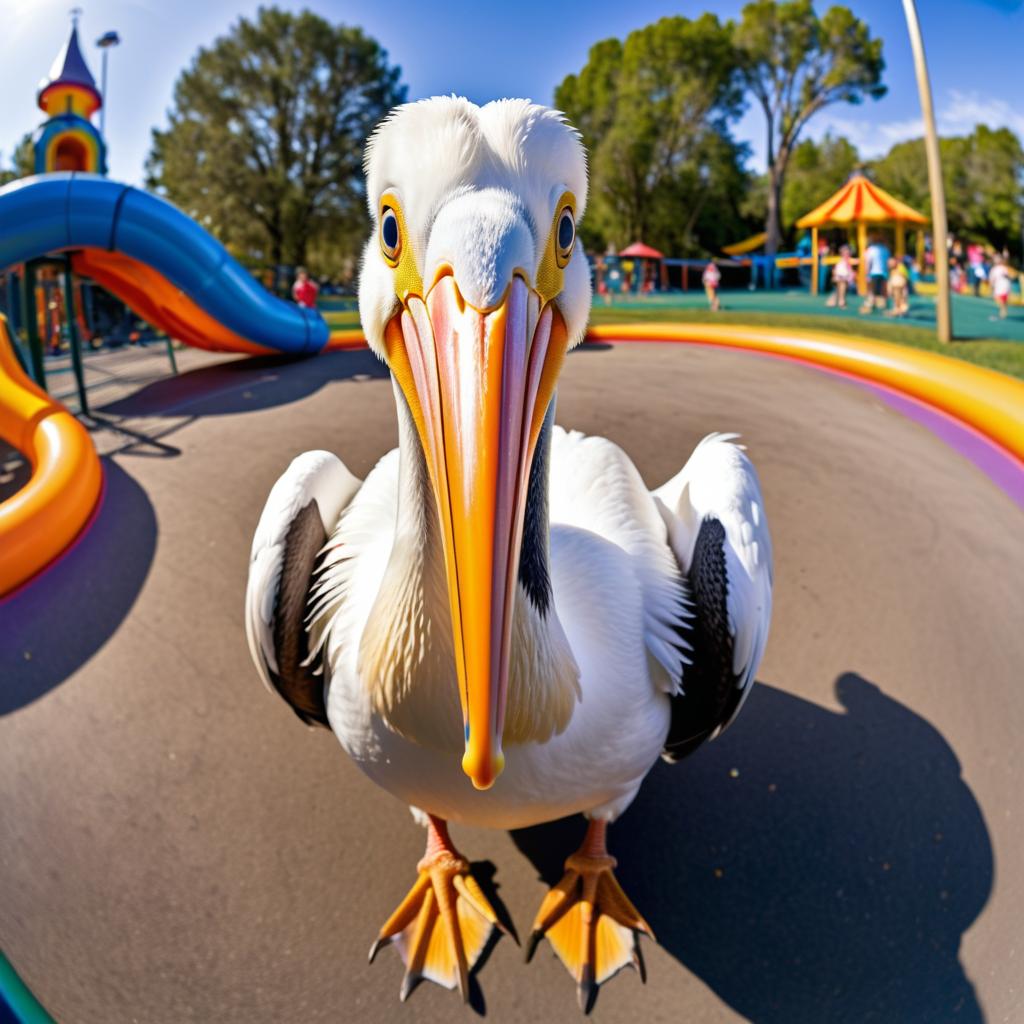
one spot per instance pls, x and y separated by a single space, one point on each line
105 42
943 315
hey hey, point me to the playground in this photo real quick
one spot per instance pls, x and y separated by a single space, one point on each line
177 847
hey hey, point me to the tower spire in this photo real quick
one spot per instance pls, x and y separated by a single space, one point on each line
70 76
68 140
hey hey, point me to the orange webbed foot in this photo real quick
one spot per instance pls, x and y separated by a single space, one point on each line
590 922
445 922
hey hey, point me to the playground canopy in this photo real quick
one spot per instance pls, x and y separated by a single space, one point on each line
860 203
640 251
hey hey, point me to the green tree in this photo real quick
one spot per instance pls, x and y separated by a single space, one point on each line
816 171
23 161
265 137
983 175
796 63
653 111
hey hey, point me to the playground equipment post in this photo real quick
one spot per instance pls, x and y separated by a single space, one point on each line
31 321
73 339
943 313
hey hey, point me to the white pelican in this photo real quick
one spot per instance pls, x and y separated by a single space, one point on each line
497 588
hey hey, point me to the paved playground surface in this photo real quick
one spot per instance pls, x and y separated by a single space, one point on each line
177 847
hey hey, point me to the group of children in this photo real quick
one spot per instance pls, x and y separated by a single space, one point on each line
889 280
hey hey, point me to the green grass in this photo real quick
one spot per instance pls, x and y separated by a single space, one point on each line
338 318
1004 356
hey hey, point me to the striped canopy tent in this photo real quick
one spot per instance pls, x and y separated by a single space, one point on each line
861 203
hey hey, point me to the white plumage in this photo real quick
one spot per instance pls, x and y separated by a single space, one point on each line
612 614
616 554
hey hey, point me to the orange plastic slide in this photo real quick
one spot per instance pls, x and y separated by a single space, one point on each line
44 517
158 302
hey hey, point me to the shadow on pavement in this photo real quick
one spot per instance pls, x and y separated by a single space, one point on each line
59 620
244 385
810 865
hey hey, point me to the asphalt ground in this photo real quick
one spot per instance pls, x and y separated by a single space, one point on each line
175 846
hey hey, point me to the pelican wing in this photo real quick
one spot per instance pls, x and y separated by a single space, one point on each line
717 529
300 514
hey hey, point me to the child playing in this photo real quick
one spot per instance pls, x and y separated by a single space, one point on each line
898 288
842 275
877 259
710 279
999 278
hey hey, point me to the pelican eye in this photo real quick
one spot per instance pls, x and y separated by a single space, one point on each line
390 235
566 235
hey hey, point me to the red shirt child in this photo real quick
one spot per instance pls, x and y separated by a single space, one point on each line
304 291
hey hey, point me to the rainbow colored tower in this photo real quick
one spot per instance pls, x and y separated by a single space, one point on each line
69 141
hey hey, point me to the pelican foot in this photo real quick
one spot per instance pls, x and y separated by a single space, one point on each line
445 922
590 922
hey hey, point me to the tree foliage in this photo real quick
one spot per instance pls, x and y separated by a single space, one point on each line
654 113
23 161
796 63
983 174
816 171
265 136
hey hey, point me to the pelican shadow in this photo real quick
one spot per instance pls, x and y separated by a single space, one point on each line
57 621
809 865
245 385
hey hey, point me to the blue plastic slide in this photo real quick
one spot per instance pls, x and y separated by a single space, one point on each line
156 258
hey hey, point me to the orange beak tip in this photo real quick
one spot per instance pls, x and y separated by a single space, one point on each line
483 772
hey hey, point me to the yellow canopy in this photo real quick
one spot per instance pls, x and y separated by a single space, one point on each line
861 201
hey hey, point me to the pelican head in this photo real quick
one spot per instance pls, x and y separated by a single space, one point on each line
473 288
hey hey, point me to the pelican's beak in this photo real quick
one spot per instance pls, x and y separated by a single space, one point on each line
478 383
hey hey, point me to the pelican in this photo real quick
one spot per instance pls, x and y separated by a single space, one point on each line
502 625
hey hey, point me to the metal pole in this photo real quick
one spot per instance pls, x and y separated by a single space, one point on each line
103 97
31 320
75 341
943 311
170 353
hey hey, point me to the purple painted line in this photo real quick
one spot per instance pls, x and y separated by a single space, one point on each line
1005 471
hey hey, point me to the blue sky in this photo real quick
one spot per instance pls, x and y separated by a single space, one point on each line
485 50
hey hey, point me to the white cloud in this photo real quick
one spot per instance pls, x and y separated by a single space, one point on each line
958 115
872 138
964 110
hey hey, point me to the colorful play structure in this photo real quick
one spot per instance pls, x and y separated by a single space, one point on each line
140 248
859 206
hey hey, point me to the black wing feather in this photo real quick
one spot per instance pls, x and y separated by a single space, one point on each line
711 693
298 683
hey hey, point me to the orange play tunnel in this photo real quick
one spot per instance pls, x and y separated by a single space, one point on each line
44 517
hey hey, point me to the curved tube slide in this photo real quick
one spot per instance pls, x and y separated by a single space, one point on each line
156 259
44 517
